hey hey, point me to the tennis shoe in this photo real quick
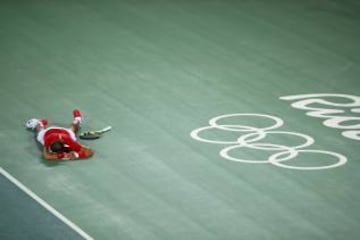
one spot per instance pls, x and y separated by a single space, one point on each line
32 123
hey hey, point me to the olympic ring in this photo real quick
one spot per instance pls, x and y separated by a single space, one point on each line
195 134
253 137
225 153
242 139
341 160
213 122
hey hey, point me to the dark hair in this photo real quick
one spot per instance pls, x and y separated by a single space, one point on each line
57 146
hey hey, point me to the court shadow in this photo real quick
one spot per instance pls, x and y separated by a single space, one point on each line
52 163
57 163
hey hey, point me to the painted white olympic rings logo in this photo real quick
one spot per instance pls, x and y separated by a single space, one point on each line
250 137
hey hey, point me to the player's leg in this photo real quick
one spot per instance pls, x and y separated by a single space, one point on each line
36 124
41 125
75 124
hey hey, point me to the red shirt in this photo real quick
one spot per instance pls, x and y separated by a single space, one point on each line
59 134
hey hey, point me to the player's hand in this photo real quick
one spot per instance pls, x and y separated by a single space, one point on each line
68 156
72 155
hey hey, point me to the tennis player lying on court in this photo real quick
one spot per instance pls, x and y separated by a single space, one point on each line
58 142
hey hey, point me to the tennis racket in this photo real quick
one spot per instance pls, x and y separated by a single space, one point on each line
90 135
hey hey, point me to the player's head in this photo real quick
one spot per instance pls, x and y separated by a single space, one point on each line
57 146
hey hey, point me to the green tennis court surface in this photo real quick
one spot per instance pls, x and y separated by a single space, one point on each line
23 218
231 119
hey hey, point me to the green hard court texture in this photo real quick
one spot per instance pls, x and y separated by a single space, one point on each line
155 71
23 218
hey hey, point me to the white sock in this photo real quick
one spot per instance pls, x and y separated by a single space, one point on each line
77 120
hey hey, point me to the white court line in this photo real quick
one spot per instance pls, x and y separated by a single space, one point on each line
45 205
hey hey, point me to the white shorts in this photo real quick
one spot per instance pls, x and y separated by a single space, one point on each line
41 134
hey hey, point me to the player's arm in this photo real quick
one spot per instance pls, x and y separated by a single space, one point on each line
48 155
84 152
54 156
